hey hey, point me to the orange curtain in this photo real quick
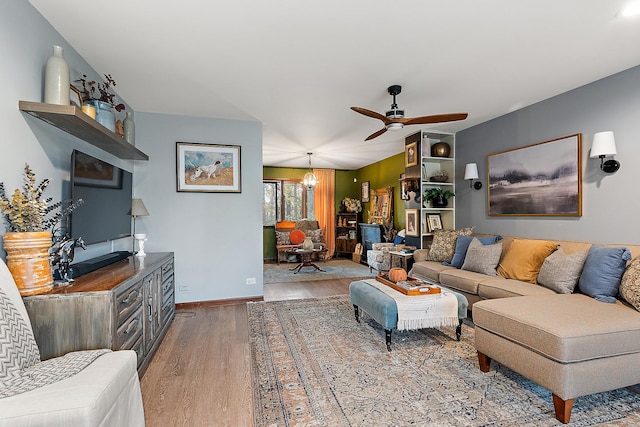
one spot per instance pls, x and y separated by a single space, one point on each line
325 207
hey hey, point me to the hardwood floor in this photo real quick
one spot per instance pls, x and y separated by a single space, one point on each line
200 375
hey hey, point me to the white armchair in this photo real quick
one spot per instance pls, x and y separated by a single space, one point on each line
378 257
106 392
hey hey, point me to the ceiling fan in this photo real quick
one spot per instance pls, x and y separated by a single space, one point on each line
394 118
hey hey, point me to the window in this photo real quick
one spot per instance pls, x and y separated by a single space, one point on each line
284 200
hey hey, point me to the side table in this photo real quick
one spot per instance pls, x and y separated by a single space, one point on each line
401 259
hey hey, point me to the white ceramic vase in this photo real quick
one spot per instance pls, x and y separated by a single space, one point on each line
307 245
129 129
56 79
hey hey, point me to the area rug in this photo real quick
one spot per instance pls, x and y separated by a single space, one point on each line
333 269
314 365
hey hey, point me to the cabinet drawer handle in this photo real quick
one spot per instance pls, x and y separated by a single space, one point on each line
132 294
131 326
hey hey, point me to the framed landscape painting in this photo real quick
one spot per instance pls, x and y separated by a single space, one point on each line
209 168
543 179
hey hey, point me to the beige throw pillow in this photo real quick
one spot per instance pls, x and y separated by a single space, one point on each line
482 258
560 272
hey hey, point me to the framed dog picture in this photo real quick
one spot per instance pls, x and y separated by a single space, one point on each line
208 168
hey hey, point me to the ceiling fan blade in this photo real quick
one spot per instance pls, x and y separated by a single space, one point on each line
370 113
377 134
437 118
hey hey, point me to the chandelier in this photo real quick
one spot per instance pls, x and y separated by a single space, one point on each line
309 180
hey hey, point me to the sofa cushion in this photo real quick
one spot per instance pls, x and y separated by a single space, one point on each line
499 287
560 272
463 280
462 244
482 258
630 284
602 272
282 238
444 244
428 269
565 328
524 259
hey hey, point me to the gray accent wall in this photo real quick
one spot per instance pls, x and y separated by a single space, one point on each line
610 204
26 41
216 237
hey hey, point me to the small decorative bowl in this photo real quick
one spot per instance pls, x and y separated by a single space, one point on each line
439 176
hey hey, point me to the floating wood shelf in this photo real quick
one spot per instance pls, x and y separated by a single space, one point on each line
72 120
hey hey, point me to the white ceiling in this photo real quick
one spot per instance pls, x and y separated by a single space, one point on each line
297 66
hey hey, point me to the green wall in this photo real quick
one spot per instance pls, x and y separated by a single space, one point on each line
385 173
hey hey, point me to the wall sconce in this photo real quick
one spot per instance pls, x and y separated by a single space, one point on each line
471 173
604 144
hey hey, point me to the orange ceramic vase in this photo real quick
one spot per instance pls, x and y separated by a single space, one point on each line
28 261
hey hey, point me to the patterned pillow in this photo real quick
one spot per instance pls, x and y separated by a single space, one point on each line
560 272
316 235
19 348
444 244
282 238
630 285
482 258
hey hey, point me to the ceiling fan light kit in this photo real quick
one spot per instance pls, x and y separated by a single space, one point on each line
394 118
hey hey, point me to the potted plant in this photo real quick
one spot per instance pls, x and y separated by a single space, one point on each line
439 198
100 96
29 220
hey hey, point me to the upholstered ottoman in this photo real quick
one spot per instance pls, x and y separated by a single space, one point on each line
570 344
382 308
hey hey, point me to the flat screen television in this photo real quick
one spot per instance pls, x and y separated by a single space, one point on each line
106 191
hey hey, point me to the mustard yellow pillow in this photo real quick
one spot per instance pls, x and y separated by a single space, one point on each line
524 259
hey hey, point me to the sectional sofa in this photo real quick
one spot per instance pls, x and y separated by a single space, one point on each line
563 314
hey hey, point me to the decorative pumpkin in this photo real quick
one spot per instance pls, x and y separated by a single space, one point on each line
397 274
297 237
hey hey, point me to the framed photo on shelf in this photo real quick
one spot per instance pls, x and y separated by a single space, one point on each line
364 191
434 222
208 168
543 179
411 222
411 154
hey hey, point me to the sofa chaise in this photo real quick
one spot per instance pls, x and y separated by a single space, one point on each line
540 323
106 392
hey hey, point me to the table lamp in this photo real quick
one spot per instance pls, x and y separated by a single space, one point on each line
137 209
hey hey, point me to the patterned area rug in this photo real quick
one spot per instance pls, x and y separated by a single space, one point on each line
313 365
333 269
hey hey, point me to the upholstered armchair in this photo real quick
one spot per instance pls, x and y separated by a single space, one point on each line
310 228
84 388
378 257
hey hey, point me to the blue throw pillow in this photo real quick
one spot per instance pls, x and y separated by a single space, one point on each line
398 240
462 245
603 271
